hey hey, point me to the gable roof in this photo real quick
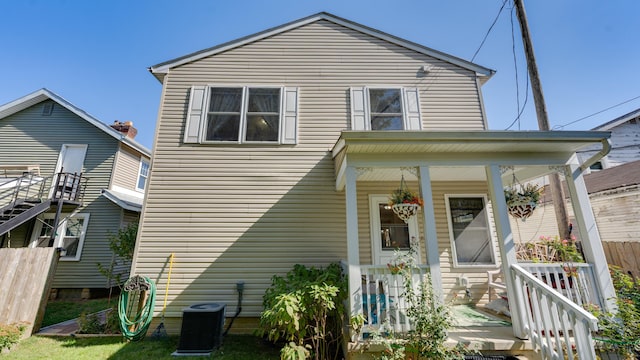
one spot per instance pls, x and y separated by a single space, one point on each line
618 121
612 178
44 94
160 70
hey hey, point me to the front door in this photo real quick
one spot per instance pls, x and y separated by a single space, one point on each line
70 160
390 235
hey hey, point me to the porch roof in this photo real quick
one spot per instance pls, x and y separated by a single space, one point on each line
441 150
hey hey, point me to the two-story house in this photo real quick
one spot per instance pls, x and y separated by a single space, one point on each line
282 147
55 153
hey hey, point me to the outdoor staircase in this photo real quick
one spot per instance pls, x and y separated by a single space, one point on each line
27 196
16 214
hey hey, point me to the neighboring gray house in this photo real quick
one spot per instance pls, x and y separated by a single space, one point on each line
625 141
105 172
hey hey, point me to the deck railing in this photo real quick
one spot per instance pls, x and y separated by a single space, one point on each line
557 326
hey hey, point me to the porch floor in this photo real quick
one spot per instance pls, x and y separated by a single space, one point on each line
489 340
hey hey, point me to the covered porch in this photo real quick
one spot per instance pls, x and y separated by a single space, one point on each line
462 235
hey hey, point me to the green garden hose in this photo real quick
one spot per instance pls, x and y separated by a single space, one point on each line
134 322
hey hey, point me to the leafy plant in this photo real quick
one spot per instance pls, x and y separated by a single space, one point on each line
564 250
402 195
430 318
122 245
523 194
619 332
304 308
10 335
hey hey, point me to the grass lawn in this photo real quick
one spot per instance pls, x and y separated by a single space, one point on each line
59 311
235 347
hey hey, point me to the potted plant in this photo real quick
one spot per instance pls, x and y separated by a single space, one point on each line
522 199
404 202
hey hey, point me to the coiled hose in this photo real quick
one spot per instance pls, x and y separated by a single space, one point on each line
134 323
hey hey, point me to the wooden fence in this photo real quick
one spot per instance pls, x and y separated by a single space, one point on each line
25 278
625 255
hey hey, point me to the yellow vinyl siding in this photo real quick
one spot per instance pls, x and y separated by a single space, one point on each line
247 212
127 168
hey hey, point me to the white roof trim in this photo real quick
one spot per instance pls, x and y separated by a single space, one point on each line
125 201
618 121
44 94
164 67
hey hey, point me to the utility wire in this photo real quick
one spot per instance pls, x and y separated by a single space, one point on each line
596 113
489 31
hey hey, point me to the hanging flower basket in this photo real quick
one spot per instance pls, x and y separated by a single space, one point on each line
405 211
404 202
522 200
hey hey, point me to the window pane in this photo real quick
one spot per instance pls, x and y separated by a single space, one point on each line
394 232
71 245
264 100
223 127
472 239
262 127
142 182
225 100
386 123
385 101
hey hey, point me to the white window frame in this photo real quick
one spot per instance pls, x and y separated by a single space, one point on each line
140 175
361 107
489 230
62 229
242 127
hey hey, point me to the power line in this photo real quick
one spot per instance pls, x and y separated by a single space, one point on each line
596 113
489 31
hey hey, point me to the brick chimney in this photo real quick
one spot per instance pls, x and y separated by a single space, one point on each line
125 127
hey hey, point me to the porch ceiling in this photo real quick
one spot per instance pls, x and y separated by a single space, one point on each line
457 155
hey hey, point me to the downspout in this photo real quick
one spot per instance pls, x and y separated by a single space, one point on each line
606 148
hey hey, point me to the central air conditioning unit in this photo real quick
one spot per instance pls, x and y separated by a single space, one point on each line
202 329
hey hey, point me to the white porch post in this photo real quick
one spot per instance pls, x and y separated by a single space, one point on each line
430 234
591 242
353 249
506 245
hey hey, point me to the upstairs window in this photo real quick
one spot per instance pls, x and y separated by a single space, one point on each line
143 174
242 115
385 109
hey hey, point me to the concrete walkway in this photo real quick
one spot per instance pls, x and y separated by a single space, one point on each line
66 328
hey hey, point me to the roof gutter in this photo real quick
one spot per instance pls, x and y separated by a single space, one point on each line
606 148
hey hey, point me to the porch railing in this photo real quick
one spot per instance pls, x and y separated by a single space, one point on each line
383 300
576 281
556 326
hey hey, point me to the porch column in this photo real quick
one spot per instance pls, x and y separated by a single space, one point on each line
505 244
430 234
590 237
353 248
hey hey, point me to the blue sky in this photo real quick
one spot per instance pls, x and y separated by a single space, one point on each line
96 53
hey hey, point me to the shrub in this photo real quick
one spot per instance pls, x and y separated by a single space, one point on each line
620 331
10 335
430 317
304 308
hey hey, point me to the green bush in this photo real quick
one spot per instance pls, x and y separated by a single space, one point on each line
620 331
304 309
10 335
430 317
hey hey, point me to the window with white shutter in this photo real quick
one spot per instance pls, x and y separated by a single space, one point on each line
385 109
242 114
